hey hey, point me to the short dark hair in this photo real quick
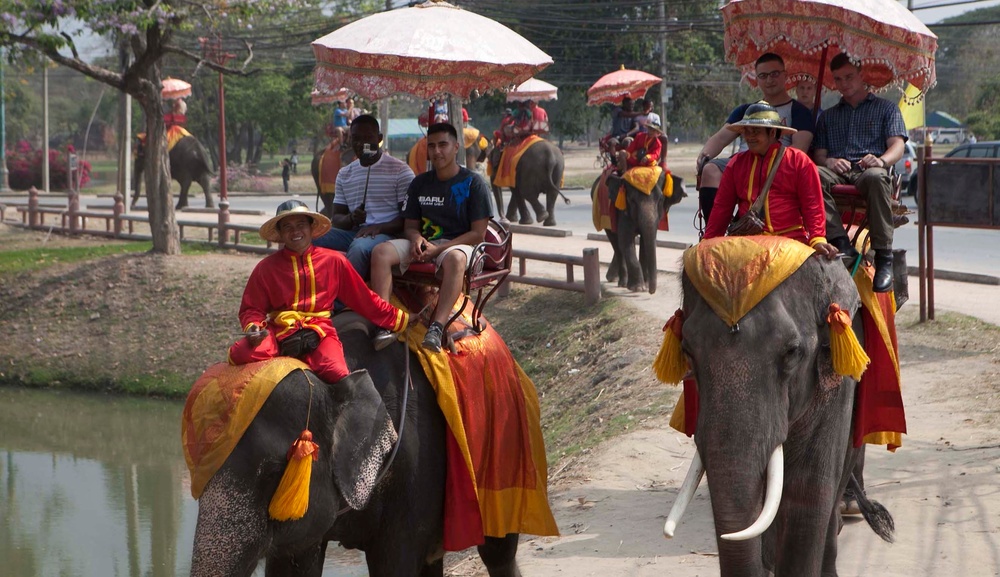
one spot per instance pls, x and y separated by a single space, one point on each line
841 60
443 127
768 57
626 99
367 119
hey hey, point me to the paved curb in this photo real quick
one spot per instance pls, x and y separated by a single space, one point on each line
540 231
958 276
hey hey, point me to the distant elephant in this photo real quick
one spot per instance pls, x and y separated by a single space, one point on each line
188 163
539 171
774 425
397 522
641 218
347 156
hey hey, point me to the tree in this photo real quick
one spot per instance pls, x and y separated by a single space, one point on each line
146 29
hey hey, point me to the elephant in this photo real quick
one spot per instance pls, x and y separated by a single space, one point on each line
774 426
539 171
641 218
399 527
188 163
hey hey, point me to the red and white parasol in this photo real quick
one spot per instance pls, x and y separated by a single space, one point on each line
426 50
891 44
533 89
174 88
319 98
615 86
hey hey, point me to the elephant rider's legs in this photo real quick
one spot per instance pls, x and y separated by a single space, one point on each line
326 360
711 176
875 186
360 252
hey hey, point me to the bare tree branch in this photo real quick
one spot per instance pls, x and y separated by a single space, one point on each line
113 79
202 61
69 42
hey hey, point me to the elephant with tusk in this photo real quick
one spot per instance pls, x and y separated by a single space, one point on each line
764 330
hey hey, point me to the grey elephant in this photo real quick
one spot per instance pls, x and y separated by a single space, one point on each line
188 163
539 172
347 156
394 515
774 421
641 218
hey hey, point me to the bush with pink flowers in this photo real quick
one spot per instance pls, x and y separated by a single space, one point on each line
24 167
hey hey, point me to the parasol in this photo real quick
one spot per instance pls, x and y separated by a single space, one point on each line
533 89
425 50
615 86
174 88
891 44
320 97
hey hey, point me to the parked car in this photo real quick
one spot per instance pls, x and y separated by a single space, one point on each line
907 164
989 149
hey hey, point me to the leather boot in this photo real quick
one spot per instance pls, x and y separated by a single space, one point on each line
882 283
844 247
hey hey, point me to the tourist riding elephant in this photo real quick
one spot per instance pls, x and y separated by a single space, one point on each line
641 218
396 519
539 171
188 163
774 421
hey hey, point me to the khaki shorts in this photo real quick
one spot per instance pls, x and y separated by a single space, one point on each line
402 247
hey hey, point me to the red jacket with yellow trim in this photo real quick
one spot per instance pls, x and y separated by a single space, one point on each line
793 208
647 142
302 288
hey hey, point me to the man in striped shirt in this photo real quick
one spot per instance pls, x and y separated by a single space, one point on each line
367 198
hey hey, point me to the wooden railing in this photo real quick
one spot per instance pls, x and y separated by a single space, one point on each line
590 286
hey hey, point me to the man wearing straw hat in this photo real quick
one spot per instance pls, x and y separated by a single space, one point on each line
289 296
793 206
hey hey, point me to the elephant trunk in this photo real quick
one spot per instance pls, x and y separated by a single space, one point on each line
230 535
772 498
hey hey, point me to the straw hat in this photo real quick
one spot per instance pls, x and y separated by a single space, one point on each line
653 125
320 223
760 114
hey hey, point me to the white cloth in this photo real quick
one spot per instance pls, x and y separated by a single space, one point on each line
390 179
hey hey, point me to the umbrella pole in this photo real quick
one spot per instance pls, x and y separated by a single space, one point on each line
455 116
819 83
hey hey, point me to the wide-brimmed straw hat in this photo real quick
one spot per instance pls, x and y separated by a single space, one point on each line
320 223
654 125
760 114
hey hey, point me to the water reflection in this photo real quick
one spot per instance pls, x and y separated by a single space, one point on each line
93 486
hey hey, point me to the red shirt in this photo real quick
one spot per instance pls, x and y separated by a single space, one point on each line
794 206
308 284
653 148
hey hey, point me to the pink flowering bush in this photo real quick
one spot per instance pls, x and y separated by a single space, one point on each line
24 167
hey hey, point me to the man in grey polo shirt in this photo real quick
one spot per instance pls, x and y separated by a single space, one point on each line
367 198
857 141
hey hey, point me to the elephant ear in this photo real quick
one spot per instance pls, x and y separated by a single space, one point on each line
363 434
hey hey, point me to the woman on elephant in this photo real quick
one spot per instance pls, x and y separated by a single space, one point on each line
289 297
794 204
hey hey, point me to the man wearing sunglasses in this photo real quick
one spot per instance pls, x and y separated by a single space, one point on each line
771 79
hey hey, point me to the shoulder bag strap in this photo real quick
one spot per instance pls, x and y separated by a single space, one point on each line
759 202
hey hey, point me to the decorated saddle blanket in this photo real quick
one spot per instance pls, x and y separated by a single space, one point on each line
644 179
733 274
506 171
417 158
221 405
497 480
329 168
603 209
472 136
174 134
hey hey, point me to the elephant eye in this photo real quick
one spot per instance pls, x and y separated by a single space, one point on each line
793 354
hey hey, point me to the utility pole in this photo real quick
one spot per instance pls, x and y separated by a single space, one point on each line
213 51
664 94
45 127
4 182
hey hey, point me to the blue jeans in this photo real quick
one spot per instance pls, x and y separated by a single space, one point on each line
358 249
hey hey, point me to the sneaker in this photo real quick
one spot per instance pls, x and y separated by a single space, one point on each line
383 338
432 340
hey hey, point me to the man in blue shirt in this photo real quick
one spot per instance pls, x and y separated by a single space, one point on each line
857 141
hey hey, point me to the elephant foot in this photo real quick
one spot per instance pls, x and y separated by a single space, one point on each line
550 221
641 288
622 282
611 276
180 206
542 216
526 220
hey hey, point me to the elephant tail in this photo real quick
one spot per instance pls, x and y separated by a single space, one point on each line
875 514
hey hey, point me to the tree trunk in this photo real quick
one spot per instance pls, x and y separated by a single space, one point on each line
162 220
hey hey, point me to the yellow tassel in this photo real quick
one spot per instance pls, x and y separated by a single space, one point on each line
620 199
849 358
291 500
668 185
670 365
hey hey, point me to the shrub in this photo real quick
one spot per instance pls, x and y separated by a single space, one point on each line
244 179
24 167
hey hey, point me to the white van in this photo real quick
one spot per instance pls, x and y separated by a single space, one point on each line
949 136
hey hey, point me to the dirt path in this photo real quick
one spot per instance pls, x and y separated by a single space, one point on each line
941 486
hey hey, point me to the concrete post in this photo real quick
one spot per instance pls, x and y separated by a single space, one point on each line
224 222
591 276
119 210
74 209
33 215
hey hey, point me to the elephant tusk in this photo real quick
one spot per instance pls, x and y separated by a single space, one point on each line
684 496
772 498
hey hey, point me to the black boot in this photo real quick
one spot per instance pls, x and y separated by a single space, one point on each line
882 283
845 248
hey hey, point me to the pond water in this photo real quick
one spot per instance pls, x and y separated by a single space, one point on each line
96 486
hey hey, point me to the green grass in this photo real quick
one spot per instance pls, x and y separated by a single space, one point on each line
34 259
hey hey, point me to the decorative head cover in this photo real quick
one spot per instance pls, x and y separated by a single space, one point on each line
269 230
760 114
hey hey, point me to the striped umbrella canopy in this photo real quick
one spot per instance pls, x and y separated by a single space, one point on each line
426 50
892 46
615 86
